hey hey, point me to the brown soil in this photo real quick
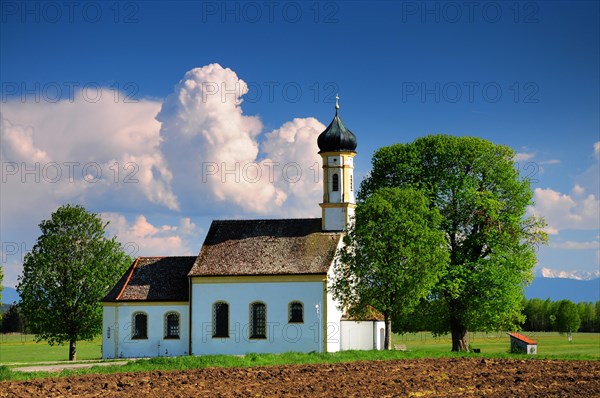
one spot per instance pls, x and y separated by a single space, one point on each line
447 377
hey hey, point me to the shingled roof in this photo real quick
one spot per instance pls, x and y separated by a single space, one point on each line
266 247
154 279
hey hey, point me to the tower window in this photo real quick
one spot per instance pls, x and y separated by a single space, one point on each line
351 187
335 181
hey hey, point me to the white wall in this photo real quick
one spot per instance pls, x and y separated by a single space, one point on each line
119 319
357 335
281 335
334 314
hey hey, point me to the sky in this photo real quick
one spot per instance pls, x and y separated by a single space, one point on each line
162 116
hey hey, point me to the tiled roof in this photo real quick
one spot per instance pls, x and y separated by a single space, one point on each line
154 279
266 247
524 339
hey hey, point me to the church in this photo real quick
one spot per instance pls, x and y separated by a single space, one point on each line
257 286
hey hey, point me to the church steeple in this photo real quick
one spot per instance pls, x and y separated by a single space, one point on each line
337 147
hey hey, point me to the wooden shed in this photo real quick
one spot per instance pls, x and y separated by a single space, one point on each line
520 343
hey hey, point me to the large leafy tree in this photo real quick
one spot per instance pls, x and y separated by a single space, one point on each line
483 202
392 257
70 268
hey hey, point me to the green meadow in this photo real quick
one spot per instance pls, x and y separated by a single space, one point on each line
19 350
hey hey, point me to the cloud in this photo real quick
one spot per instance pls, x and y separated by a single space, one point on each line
104 153
597 149
142 238
550 161
579 275
522 156
573 245
563 211
213 150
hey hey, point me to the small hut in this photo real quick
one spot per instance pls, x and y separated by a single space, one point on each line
520 343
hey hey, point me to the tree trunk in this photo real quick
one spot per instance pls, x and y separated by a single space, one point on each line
72 350
460 337
388 333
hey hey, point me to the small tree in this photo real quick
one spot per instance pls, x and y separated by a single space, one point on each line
1 287
392 257
567 317
12 322
68 271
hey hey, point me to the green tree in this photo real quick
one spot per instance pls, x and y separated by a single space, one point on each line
70 268
393 255
12 322
1 287
567 317
483 202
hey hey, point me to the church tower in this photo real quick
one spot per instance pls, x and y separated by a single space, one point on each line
336 147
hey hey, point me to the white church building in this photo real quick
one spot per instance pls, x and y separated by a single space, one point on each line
257 286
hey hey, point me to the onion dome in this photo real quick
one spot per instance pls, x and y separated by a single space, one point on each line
336 137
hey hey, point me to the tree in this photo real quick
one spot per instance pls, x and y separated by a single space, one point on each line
1 287
70 268
483 202
392 257
12 322
567 317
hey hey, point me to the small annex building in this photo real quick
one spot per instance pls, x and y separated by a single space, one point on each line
520 343
256 286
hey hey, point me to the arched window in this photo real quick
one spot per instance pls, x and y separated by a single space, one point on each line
220 319
258 321
140 326
296 312
351 185
171 325
335 182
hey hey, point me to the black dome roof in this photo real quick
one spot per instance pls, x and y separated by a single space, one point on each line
336 137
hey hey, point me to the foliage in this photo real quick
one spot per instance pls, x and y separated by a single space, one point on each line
567 317
70 268
13 321
1 287
545 315
483 202
392 257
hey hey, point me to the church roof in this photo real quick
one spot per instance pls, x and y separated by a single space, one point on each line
154 279
266 247
336 137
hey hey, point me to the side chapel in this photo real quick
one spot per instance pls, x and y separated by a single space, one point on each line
256 286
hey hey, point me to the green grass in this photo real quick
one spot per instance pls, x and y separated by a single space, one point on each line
550 345
17 348
420 345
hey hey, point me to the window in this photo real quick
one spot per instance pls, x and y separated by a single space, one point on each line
296 312
140 326
108 332
335 181
220 319
258 321
172 325
351 187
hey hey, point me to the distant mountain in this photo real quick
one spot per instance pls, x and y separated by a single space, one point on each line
564 288
10 295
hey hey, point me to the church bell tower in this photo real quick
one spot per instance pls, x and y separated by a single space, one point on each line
336 147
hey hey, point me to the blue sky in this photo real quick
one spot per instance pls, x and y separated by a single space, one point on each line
204 84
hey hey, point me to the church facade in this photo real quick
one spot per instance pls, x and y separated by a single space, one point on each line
257 286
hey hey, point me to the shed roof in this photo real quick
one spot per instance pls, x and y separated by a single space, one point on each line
524 339
154 279
266 247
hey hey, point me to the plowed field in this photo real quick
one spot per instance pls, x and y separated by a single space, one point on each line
447 377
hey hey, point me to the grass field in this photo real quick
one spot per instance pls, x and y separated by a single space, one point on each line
21 349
